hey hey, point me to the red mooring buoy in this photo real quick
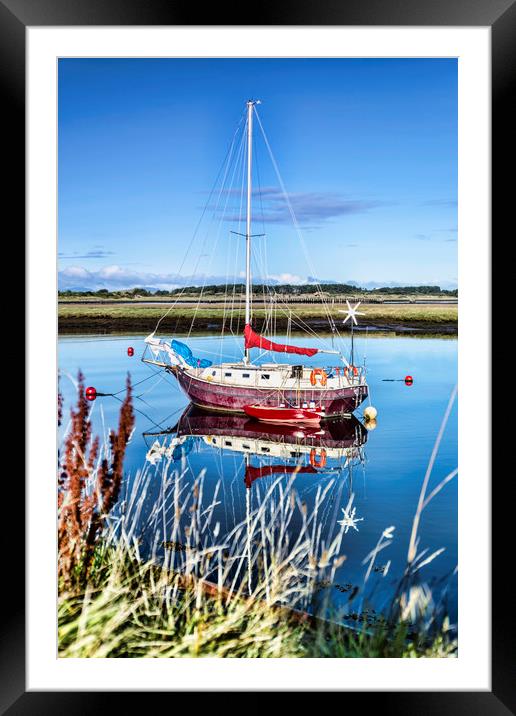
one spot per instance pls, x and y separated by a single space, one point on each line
130 351
409 380
90 393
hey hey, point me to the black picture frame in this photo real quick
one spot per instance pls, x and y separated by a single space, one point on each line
500 15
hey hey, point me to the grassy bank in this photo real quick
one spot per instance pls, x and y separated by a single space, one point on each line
130 608
261 590
109 317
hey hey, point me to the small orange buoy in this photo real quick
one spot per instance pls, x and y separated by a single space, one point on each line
408 380
90 393
130 351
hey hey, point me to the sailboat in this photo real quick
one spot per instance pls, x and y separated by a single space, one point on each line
233 386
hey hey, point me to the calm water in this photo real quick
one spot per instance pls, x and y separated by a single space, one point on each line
384 470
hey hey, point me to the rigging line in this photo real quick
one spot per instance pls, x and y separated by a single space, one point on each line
203 351
257 164
160 375
241 225
139 411
256 262
261 268
174 412
267 304
122 390
274 314
264 268
229 302
226 159
225 307
291 211
137 397
224 168
275 298
236 253
233 297
215 210
269 293
221 219
299 322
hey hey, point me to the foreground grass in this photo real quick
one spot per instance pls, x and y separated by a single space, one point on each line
131 609
403 313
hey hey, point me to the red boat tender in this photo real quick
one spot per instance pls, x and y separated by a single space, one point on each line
283 415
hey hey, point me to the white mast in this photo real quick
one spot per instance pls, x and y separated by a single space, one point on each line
250 106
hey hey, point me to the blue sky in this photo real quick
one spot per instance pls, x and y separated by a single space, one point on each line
367 150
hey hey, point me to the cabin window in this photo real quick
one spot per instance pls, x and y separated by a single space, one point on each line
266 376
265 449
227 375
214 372
228 443
246 447
246 375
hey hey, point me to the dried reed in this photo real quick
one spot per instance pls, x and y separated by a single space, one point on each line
87 488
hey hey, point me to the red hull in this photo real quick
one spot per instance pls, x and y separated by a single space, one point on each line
343 433
282 415
338 401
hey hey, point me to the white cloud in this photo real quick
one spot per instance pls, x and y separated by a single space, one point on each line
115 278
76 272
110 272
287 278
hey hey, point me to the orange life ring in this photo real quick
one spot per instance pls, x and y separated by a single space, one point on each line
317 461
323 377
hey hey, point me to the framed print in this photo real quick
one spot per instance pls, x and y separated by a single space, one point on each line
259 322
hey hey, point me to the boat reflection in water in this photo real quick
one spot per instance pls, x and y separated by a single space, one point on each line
268 449
252 495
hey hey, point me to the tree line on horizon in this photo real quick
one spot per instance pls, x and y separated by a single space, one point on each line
331 289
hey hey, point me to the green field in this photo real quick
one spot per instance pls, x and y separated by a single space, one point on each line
139 316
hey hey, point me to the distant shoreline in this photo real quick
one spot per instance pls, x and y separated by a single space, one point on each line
416 319
87 324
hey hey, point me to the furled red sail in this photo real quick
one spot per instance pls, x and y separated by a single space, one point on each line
254 473
255 340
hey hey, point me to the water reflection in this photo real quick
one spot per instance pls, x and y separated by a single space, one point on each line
268 449
271 503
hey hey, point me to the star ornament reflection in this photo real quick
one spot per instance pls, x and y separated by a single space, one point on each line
350 521
352 312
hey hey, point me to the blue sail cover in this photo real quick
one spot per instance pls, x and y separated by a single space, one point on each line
186 354
182 450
